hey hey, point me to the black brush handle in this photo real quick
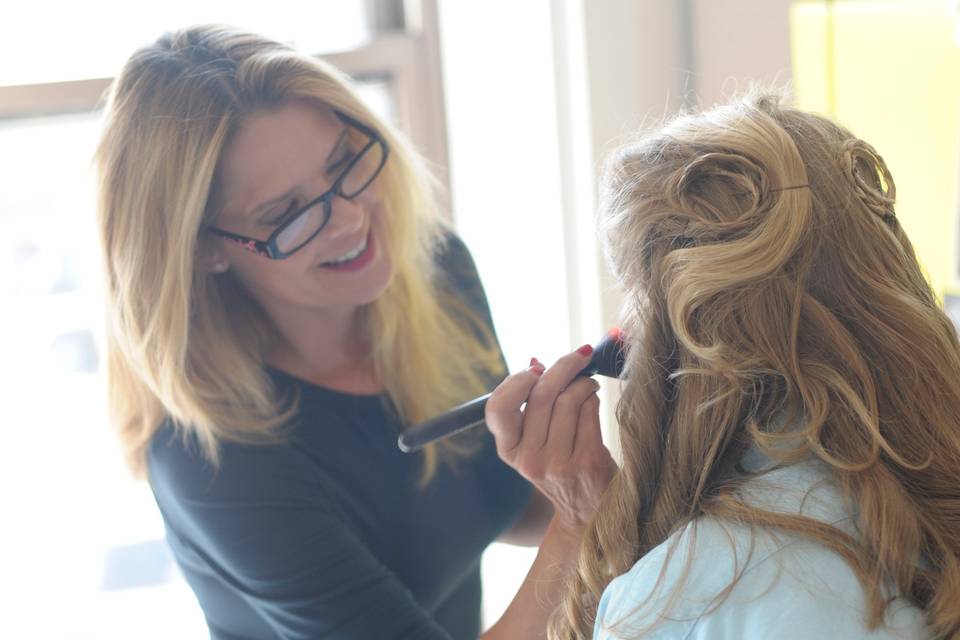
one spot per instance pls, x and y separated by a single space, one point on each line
607 360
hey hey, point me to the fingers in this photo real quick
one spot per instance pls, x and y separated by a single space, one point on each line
568 414
540 405
502 414
554 441
588 437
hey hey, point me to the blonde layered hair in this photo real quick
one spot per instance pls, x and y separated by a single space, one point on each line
186 345
769 283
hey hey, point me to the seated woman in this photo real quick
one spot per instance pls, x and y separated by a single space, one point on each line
790 421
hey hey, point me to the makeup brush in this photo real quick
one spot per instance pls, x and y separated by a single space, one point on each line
607 360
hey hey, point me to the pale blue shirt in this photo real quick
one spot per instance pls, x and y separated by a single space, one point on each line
790 587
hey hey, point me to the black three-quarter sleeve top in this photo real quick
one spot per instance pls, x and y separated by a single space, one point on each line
329 534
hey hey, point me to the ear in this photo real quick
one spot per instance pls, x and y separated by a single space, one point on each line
213 259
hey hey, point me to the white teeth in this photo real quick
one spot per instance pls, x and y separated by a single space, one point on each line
347 257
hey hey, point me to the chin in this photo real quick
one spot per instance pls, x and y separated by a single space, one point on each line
379 284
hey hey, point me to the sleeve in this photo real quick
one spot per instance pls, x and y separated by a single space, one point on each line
462 282
264 527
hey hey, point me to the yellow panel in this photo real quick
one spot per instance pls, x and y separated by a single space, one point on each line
811 59
896 84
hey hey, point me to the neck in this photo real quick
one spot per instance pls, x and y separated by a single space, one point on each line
325 347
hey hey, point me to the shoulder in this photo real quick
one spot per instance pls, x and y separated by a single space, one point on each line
459 283
672 585
786 586
451 247
175 458
455 260
180 472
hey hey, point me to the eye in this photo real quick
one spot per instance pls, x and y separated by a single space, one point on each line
344 159
281 218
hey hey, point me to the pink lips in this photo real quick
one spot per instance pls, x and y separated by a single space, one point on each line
357 263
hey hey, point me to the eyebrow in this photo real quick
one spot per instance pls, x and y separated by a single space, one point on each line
336 147
259 209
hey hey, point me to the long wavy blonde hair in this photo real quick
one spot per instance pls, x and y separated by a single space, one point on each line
189 346
767 275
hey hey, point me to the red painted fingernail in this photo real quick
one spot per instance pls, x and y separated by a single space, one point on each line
585 350
536 366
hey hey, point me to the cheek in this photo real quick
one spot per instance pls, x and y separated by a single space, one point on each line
379 221
372 196
265 279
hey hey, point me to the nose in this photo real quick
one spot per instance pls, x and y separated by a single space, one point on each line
346 217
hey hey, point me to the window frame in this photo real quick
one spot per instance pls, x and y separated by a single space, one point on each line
403 52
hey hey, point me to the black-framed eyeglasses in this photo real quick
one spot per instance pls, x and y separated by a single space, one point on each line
301 226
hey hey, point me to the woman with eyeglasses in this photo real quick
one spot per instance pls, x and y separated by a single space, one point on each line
283 298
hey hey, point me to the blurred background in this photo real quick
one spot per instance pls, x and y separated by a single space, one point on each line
515 103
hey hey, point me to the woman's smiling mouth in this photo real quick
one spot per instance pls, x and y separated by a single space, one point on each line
354 259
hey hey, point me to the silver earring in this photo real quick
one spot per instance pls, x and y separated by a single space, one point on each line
220 267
